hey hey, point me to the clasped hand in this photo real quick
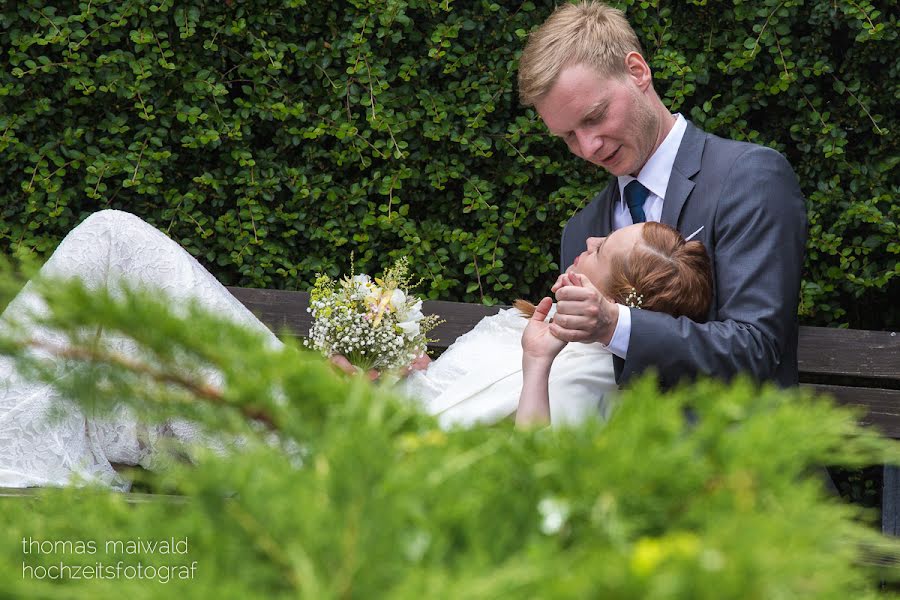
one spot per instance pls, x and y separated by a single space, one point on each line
583 314
538 344
343 365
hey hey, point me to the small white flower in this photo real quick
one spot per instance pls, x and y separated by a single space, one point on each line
416 544
554 513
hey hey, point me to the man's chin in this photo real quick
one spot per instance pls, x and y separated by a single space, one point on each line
616 167
615 172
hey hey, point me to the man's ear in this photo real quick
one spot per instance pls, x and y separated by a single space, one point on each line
638 70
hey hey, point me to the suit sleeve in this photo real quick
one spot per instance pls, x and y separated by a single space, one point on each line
759 238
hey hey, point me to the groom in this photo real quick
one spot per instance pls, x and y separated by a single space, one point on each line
584 72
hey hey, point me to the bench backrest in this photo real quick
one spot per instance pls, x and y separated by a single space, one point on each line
856 367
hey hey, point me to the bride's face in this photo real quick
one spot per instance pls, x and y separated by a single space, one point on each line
594 263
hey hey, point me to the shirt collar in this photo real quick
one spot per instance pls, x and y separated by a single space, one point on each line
656 171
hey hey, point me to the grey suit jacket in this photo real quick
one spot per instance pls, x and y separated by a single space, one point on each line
749 203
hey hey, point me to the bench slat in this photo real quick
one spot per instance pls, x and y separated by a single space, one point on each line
460 317
882 405
822 351
278 309
281 309
849 352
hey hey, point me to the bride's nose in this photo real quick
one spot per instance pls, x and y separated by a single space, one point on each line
593 242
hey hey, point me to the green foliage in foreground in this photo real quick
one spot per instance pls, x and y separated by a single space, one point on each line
359 495
272 138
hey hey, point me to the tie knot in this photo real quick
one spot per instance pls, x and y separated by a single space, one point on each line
635 196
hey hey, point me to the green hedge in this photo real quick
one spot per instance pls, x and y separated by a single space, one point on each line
272 139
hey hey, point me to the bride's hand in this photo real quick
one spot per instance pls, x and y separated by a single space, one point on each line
420 364
340 361
537 341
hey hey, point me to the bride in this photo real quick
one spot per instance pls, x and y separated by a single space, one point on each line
479 379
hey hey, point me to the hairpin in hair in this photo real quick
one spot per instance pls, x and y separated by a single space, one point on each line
634 300
688 238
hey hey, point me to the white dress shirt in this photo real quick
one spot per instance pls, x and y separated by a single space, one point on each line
655 177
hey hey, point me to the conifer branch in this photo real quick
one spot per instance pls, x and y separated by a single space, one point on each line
203 391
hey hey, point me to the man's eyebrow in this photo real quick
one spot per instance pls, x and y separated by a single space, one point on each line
591 112
595 108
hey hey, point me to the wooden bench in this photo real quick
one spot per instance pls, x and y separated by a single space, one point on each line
858 368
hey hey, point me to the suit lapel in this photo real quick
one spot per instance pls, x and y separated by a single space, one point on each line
686 165
606 216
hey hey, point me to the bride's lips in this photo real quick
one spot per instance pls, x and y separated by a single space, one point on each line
571 268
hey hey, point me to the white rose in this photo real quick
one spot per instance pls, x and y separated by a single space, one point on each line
410 328
410 313
408 319
398 300
361 283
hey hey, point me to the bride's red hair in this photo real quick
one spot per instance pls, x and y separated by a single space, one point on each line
672 275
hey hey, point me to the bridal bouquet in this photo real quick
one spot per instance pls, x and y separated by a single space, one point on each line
375 323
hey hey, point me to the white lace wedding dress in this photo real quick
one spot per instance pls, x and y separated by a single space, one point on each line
47 440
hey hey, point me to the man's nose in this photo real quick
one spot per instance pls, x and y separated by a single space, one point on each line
588 143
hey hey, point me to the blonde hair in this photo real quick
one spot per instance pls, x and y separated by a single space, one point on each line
670 275
588 33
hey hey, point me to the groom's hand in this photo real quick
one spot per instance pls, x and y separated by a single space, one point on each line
583 314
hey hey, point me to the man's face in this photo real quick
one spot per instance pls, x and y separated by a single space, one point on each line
608 121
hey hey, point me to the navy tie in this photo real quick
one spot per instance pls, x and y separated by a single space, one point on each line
635 196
